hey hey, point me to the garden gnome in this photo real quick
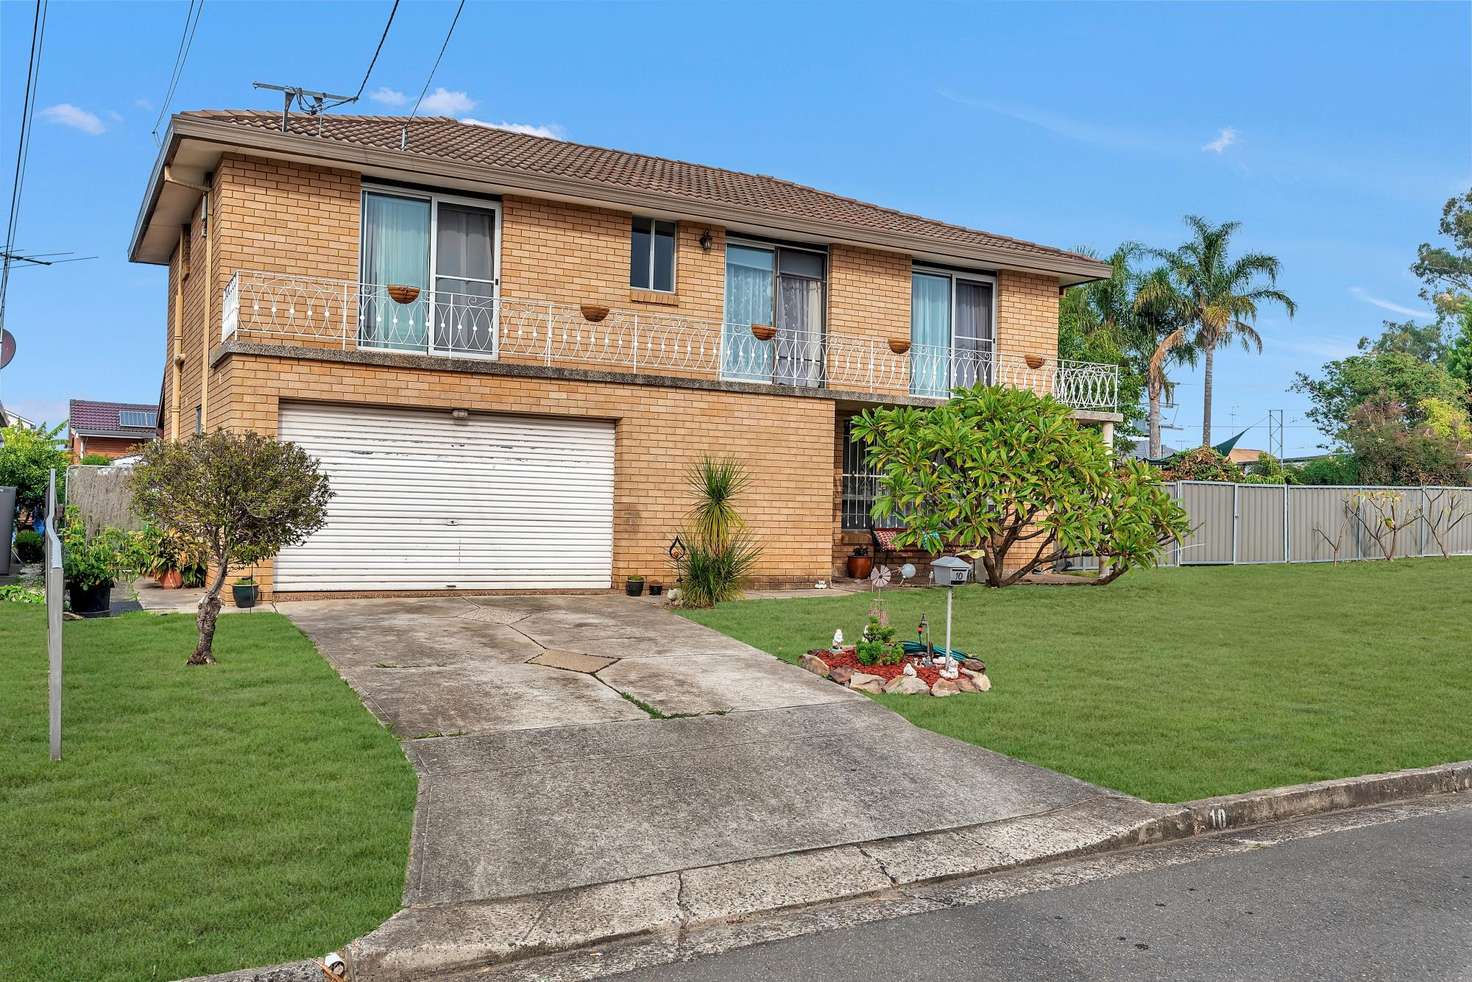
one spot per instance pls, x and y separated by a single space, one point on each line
838 640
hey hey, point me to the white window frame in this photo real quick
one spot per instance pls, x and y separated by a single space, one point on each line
674 255
435 198
955 275
774 248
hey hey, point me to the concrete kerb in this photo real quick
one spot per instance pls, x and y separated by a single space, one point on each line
424 942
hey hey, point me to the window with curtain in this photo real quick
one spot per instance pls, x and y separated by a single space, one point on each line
782 288
395 253
950 332
652 255
464 283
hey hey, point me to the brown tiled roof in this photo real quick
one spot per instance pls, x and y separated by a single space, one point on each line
443 138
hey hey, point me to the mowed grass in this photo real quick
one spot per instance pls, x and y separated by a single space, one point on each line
1178 684
201 819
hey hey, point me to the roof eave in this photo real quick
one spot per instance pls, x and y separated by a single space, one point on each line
1069 270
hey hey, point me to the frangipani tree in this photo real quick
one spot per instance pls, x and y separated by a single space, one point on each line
1008 477
239 498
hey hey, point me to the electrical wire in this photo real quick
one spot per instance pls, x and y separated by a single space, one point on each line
382 38
23 143
186 40
404 134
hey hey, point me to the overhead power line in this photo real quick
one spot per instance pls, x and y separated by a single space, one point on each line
186 40
376 51
23 145
404 133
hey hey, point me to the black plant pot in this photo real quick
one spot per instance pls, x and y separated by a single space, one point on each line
92 601
245 595
656 589
633 587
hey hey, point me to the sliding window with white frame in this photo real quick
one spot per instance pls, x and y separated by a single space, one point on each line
952 337
776 289
430 273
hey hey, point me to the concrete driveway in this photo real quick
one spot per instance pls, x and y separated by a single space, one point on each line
536 778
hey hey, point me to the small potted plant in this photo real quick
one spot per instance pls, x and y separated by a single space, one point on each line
634 585
92 565
165 558
860 563
244 592
655 588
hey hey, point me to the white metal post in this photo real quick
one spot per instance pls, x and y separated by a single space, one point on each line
547 357
636 343
1287 553
54 587
950 593
1236 492
344 316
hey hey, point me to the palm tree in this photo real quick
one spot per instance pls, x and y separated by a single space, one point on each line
1221 295
1161 318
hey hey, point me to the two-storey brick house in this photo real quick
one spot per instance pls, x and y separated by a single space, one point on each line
508 350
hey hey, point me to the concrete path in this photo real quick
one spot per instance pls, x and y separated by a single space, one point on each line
536 779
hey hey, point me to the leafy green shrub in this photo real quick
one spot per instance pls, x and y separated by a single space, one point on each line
30 546
720 552
1332 470
95 460
1201 464
27 458
1009 477
16 593
1268 469
101 559
878 645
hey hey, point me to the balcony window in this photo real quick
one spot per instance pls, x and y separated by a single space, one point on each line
780 288
428 274
951 333
652 255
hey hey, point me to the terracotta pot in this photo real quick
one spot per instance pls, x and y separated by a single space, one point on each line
763 332
171 579
860 567
1035 361
899 345
593 312
400 293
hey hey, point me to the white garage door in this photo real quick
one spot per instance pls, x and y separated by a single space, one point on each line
426 502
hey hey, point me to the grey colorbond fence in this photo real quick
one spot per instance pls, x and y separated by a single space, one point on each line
1240 524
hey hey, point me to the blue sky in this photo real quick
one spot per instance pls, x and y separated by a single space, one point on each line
1334 133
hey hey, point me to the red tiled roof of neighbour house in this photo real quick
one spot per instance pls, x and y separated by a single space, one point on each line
449 139
105 418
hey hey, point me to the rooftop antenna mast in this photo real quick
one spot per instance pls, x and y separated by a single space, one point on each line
309 101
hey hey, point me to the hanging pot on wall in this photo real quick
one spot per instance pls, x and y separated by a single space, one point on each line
763 332
593 313
401 293
899 345
1035 361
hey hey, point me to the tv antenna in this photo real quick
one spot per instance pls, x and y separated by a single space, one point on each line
1275 433
309 101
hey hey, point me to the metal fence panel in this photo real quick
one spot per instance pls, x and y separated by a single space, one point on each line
1272 523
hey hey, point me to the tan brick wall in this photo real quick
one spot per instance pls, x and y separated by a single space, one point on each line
1027 316
659 433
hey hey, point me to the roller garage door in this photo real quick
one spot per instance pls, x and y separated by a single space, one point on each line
423 501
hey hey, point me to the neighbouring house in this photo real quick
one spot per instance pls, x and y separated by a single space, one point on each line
112 429
1243 456
507 350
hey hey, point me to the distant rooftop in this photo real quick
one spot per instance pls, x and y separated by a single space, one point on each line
136 420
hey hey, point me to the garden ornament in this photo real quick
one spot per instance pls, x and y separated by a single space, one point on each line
838 640
909 669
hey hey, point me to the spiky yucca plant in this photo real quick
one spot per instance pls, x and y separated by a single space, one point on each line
720 550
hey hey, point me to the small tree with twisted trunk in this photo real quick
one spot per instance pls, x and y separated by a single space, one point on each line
239 498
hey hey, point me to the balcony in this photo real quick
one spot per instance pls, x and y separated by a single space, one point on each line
348 315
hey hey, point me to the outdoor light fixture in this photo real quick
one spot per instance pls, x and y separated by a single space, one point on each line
706 241
460 415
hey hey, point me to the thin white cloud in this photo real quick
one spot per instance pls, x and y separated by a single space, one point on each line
1068 127
549 130
144 104
443 102
66 114
1359 294
1320 347
388 97
114 115
1224 139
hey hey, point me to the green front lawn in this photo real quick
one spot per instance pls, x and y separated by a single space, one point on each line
201 819
1177 684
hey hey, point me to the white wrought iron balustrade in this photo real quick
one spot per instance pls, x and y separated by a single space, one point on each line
348 314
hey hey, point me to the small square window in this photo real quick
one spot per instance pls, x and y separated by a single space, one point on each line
652 255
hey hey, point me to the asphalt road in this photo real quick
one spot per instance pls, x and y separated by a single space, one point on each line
1388 901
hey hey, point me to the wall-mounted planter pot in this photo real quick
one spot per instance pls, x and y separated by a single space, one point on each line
763 332
899 345
634 586
593 313
244 595
399 293
1035 361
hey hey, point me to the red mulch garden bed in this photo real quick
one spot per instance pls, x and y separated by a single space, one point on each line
847 659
